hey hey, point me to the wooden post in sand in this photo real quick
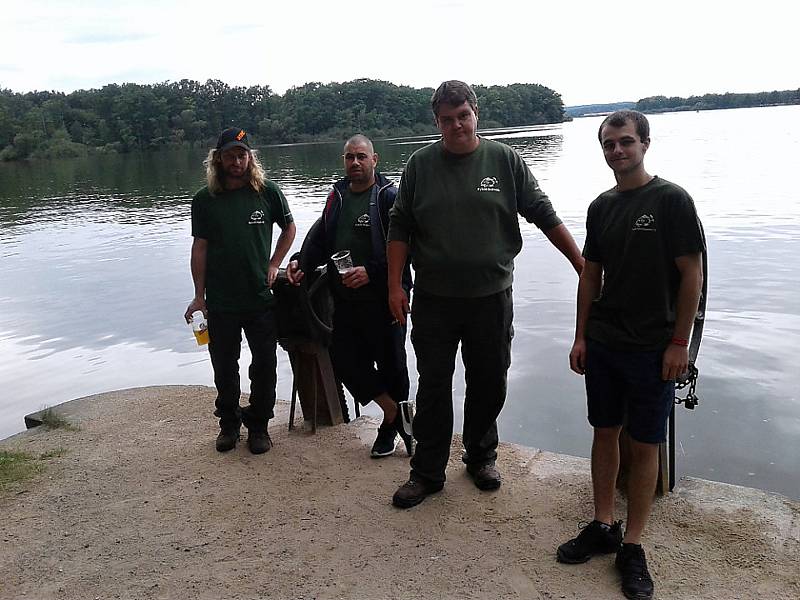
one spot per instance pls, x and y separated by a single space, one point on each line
304 316
314 383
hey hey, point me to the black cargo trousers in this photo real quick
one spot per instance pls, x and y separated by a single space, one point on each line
484 328
225 332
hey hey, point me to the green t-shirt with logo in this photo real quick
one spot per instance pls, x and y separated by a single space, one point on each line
459 213
353 227
238 227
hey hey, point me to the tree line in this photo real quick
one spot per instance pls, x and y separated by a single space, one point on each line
715 101
134 117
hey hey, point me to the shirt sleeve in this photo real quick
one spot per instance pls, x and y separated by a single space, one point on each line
686 232
279 207
199 219
401 221
532 203
591 249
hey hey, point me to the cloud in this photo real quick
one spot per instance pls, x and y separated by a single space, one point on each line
107 38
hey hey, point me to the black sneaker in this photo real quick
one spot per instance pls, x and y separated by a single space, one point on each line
486 476
596 538
414 491
632 565
258 441
384 444
226 440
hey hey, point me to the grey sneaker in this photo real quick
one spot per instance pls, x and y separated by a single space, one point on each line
596 538
632 565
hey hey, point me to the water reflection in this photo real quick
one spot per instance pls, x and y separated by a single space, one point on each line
94 280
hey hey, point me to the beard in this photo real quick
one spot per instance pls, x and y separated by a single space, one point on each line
361 177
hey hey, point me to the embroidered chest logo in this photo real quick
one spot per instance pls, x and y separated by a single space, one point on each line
256 218
489 184
362 221
645 223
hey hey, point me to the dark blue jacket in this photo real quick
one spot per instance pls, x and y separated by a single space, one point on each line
318 245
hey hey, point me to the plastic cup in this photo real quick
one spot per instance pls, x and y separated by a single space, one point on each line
343 261
200 327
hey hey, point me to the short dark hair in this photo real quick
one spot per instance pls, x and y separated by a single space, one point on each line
360 138
619 118
454 93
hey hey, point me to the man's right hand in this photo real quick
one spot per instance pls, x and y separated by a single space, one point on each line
195 305
577 357
398 303
293 273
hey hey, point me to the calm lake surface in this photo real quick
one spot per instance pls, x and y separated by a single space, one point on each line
94 279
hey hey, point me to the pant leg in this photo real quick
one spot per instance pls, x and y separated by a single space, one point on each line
385 343
224 330
435 335
260 329
486 352
392 362
353 351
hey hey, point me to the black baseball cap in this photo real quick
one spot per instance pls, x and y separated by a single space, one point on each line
233 136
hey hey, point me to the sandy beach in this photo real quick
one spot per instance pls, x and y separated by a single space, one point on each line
137 504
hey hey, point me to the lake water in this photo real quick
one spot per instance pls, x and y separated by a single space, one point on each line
94 279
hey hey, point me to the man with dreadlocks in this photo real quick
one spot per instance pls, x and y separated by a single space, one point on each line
233 272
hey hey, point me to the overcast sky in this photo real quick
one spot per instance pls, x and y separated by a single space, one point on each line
588 51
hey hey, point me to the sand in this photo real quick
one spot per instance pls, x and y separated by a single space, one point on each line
139 505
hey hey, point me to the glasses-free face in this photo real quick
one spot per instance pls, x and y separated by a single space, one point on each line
360 162
623 150
458 125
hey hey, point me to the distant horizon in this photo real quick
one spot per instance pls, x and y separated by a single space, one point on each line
277 93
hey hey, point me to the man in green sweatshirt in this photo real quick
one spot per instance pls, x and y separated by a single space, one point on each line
456 214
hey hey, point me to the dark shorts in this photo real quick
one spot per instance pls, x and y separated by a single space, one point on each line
624 387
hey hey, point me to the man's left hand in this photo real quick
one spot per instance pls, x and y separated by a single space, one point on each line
355 278
272 274
675 362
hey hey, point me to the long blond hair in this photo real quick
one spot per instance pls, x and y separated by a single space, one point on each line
215 176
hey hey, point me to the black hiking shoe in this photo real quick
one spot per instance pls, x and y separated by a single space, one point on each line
632 565
385 442
408 440
414 491
485 476
258 441
226 440
596 538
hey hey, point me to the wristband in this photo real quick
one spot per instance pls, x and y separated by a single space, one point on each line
680 341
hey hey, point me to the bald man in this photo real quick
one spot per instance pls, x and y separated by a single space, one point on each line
368 349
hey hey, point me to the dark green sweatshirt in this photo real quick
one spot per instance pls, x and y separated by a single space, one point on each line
458 213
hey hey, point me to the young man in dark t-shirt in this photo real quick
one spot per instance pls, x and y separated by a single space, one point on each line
232 270
637 299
